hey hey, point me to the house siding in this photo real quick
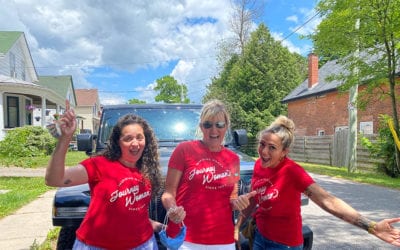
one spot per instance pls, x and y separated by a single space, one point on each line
20 64
88 107
24 86
324 112
329 111
87 113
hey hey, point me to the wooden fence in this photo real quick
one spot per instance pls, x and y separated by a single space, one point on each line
327 150
331 150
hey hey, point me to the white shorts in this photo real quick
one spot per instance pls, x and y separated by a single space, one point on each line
193 246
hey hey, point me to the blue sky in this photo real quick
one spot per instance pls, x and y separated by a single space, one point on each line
122 47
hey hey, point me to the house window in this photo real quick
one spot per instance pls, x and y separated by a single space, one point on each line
12 112
13 73
367 128
321 132
94 110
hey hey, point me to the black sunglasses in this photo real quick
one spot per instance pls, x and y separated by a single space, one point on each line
208 124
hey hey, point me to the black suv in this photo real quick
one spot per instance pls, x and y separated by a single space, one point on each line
172 124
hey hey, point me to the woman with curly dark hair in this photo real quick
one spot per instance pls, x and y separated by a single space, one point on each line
122 180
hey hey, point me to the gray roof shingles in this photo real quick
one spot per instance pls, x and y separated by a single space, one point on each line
323 85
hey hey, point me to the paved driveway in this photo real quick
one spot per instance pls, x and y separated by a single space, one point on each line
332 233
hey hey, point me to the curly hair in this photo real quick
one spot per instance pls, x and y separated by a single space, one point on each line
148 163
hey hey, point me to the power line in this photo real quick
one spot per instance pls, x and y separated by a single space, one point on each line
301 26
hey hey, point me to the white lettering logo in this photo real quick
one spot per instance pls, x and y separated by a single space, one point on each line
131 194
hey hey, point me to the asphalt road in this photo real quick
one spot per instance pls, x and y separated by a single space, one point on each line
373 202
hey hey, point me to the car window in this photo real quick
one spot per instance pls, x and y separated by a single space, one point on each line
168 124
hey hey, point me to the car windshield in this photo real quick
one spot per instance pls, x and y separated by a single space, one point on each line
169 124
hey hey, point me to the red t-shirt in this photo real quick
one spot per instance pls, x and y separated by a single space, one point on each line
204 191
117 217
279 191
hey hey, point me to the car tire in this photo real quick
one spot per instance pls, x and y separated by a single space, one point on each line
66 238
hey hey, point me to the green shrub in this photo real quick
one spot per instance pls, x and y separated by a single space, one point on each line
27 141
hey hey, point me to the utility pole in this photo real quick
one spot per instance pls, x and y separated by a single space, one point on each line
351 159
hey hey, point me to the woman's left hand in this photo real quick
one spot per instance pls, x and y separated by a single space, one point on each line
386 232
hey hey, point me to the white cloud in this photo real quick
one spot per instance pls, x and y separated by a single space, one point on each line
76 37
147 93
111 99
182 70
71 36
293 18
309 21
286 43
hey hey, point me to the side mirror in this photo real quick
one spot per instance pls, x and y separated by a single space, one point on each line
240 136
85 142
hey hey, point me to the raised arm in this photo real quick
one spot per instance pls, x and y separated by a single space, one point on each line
339 208
56 173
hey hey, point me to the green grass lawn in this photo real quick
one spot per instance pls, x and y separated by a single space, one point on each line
73 157
18 191
373 178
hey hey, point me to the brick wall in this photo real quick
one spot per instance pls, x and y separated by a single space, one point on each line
328 111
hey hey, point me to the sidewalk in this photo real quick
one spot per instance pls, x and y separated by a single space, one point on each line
31 222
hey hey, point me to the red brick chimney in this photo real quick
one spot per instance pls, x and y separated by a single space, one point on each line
312 70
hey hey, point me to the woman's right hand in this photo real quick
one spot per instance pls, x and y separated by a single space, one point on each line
176 214
67 121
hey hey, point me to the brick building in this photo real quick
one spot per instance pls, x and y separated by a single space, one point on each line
317 107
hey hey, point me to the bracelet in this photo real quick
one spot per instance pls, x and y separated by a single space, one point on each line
371 226
171 209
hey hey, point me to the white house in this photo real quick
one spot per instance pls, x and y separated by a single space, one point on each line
21 89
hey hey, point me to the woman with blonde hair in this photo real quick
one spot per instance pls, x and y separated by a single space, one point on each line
201 187
279 182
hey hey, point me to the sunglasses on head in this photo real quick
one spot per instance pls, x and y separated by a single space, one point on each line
208 124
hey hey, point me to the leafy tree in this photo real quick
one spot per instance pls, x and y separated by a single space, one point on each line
136 101
365 37
170 91
254 84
